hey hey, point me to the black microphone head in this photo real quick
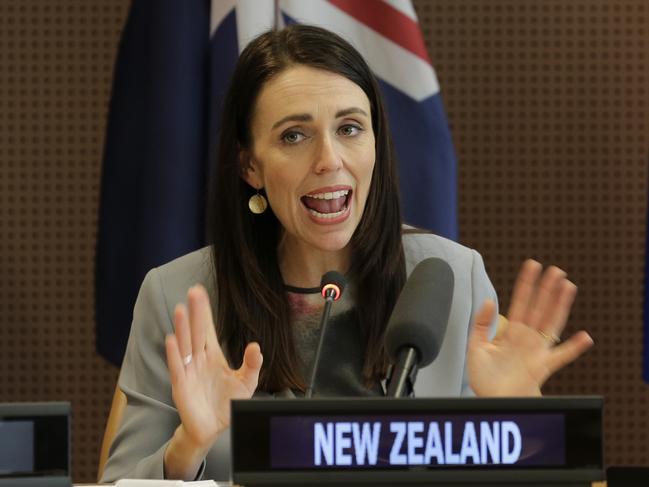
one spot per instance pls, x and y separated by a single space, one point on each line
420 315
335 281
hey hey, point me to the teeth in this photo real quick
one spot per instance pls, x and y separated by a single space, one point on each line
328 215
329 196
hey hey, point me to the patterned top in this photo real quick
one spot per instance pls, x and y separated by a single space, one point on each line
341 364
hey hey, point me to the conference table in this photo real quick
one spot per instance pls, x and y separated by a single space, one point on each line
222 484
226 484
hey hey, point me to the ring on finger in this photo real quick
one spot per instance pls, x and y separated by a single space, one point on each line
187 360
550 337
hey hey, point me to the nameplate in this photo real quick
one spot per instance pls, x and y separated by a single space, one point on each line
379 440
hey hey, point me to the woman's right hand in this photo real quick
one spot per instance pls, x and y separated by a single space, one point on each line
202 384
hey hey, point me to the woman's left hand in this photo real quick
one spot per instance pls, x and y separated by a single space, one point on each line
518 361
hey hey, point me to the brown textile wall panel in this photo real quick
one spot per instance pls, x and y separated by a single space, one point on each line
548 105
56 64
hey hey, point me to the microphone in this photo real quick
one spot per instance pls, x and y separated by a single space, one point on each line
332 286
416 329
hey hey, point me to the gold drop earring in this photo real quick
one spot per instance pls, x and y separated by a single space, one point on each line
257 203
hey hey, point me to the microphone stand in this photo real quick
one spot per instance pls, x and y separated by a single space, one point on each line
402 374
329 299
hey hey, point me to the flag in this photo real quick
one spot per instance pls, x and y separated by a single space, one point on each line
172 72
387 34
154 162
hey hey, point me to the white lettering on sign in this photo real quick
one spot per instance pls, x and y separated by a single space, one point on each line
510 430
434 444
396 458
366 442
469 447
489 442
415 442
343 442
334 442
323 443
348 443
450 457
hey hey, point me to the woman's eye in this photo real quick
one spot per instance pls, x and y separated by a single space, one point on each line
350 130
292 137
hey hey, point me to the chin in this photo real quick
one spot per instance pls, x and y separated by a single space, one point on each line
334 242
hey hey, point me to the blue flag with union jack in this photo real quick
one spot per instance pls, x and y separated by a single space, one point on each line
172 71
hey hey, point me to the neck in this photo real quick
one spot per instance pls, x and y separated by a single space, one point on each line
303 266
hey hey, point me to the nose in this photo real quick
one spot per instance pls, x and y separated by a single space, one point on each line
327 157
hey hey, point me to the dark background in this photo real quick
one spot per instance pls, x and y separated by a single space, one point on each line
548 103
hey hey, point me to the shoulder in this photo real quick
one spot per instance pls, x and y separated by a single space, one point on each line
193 268
446 376
466 263
174 278
421 246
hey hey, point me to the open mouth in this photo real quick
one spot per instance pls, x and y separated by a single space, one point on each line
327 205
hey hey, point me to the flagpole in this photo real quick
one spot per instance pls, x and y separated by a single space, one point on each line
276 17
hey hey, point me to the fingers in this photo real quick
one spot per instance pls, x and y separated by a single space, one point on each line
194 326
174 360
558 315
200 316
569 351
211 342
542 301
501 326
249 370
524 288
483 320
182 329
545 298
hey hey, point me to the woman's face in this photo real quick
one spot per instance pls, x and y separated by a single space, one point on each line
313 152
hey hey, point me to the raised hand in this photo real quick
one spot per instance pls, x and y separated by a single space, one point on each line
202 382
518 361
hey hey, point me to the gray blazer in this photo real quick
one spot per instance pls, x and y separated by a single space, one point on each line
150 417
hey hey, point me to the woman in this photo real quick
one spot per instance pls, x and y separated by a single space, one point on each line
306 182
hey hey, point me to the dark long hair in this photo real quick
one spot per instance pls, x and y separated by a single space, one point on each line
251 301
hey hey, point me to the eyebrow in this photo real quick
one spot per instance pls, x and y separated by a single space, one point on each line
305 117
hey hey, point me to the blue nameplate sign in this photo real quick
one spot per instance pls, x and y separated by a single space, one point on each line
472 441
